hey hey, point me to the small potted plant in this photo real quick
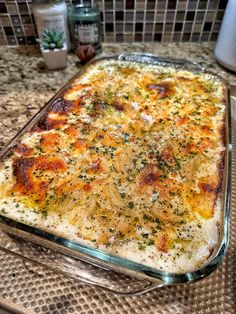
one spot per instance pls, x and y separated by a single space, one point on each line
53 48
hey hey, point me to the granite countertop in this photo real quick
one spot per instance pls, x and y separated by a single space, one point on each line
26 84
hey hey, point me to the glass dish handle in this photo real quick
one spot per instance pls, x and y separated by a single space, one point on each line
154 59
34 254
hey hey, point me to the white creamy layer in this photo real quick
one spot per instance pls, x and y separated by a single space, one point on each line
205 238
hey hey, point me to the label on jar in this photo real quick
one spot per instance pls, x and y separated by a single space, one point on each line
86 33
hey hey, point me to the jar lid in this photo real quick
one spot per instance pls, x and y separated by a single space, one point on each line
83 8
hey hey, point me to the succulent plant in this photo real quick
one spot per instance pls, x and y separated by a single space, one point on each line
51 39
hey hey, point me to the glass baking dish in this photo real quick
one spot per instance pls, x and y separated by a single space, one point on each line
93 266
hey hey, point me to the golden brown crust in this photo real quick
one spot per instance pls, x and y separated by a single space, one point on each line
25 171
162 89
134 161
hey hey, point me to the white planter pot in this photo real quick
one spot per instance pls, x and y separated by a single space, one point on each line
55 59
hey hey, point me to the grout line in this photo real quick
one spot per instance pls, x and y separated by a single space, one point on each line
194 22
182 31
4 35
214 20
133 31
114 19
184 23
104 23
174 21
154 22
22 25
164 21
144 21
203 22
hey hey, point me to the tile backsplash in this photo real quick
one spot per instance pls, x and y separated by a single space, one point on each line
127 21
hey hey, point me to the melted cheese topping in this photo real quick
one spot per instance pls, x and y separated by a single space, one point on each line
128 160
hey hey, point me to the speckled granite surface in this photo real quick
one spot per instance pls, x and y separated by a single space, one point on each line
26 84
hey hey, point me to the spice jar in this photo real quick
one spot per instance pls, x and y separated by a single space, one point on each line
51 15
85 25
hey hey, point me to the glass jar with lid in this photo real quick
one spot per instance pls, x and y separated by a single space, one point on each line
51 15
85 25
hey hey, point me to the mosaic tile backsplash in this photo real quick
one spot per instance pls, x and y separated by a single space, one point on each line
127 21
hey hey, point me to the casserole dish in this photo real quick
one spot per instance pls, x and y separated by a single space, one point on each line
105 259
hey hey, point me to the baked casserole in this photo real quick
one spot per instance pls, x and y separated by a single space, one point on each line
129 159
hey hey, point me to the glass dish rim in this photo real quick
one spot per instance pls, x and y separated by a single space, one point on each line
101 258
